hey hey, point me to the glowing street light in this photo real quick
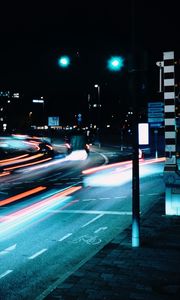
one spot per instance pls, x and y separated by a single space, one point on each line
115 63
64 61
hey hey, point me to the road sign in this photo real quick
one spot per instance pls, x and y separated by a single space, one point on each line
53 121
155 120
155 109
155 104
155 115
155 125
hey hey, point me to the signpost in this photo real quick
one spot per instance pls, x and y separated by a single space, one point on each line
156 120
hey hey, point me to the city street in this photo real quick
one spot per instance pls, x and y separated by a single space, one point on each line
50 232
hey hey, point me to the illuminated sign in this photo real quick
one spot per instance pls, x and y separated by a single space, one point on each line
53 121
143 133
15 95
38 101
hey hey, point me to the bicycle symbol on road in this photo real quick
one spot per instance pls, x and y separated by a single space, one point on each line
89 240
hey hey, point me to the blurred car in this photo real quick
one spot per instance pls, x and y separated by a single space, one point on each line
77 141
46 148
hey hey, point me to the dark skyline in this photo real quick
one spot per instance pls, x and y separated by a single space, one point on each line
34 36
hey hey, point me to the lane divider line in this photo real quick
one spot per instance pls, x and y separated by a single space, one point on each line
5 273
91 221
65 237
8 250
37 253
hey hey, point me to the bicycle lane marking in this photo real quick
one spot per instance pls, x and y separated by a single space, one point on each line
91 221
88 239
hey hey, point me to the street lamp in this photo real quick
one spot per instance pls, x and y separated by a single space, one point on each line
160 64
115 63
40 101
64 61
98 113
98 87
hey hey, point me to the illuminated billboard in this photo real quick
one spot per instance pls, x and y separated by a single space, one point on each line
53 121
143 133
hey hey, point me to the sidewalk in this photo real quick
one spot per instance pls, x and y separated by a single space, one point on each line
120 272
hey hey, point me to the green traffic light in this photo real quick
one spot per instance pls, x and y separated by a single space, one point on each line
115 63
64 61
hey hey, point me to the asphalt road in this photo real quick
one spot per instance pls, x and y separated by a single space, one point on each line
42 245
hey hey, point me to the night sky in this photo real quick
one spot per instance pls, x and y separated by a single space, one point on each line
33 36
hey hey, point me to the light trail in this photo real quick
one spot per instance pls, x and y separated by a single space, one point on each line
22 195
142 161
104 167
25 214
29 164
5 174
3 161
26 159
33 144
76 155
118 173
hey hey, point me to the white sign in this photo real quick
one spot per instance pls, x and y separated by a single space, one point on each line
53 121
38 101
143 133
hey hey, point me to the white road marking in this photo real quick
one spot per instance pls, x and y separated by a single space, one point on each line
8 250
99 229
5 273
37 254
105 158
105 198
91 199
96 212
90 240
64 237
91 221
153 194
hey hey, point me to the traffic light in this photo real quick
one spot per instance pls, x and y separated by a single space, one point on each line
64 61
115 63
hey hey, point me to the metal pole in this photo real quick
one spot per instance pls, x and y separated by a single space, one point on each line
135 168
98 114
43 114
135 188
160 80
155 141
99 106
